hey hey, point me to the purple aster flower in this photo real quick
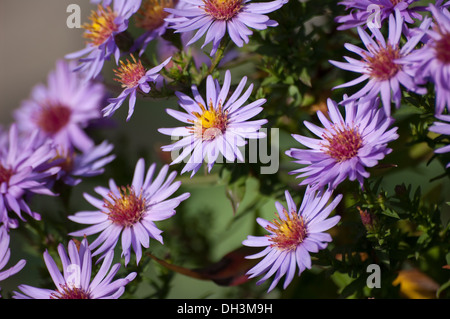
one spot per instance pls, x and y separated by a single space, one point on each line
151 18
130 211
293 235
216 17
75 165
345 147
383 64
62 109
219 126
133 78
362 11
24 169
433 59
442 128
75 280
106 24
5 253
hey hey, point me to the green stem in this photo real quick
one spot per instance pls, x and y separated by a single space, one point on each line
219 55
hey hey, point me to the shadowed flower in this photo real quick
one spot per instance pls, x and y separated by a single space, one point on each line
62 109
24 169
216 17
5 254
366 11
219 126
345 146
106 24
293 235
130 211
433 59
134 78
444 129
75 280
383 64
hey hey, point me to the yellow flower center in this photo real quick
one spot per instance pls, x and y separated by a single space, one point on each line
210 123
288 232
102 25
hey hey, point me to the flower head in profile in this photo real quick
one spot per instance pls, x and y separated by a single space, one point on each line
345 147
218 126
366 11
217 17
383 64
62 109
129 212
293 235
24 170
75 165
106 23
433 59
151 18
5 253
134 78
442 127
75 281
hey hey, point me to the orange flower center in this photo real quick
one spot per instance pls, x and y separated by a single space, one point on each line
382 66
343 144
130 73
222 9
288 232
151 15
126 209
102 25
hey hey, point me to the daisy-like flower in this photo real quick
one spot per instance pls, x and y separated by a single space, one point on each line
433 60
293 235
442 128
216 17
62 108
106 24
363 12
75 280
24 170
130 211
345 147
383 64
75 166
151 18
133 77
219 126
5 254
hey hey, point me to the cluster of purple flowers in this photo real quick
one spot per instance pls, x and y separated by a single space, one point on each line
48 142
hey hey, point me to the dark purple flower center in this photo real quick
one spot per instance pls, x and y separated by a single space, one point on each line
126 209
222 9
382 66
442 47
52 118
343 144
69 292
5 174
288 232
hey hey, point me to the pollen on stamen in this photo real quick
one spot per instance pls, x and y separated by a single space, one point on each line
102 25
53 117
129 73
222 9
343 143
382 65
151 15
210 123
126 209
289 231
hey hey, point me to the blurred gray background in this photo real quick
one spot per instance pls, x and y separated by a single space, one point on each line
33 36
